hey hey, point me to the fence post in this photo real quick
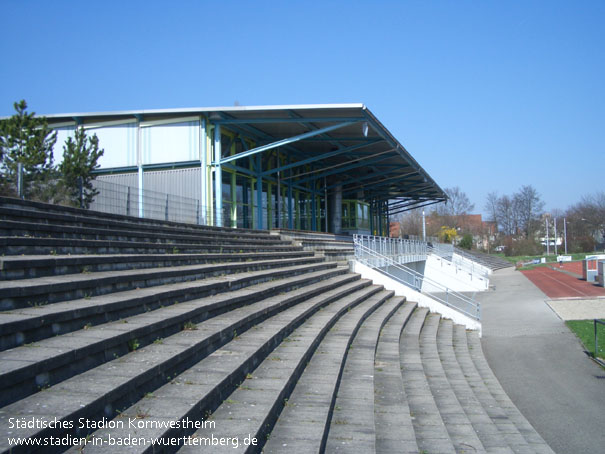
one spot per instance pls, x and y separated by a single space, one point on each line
596 342
20 180
166 212
128 201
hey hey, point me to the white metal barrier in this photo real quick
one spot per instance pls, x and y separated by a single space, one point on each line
398 250
386 264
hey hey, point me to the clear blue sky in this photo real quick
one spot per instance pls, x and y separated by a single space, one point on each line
488 96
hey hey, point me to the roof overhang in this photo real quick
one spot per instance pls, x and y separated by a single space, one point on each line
334 144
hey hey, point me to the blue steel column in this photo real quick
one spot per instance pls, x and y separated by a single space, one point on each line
313 210
290 204
203 171
379 210
387 232
218 177
140 166
259 192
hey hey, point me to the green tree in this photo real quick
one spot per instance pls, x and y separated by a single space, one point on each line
80 157
27 139
466 242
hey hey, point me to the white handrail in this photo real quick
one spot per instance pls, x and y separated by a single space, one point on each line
462 263
392 247
381 262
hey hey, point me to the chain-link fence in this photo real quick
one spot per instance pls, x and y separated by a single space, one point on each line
121 199
126 200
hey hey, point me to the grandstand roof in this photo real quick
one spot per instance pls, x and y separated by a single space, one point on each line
344 144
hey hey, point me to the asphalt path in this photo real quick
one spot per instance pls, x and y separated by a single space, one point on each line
542 366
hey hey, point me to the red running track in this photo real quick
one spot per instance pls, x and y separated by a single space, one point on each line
574 267
560 285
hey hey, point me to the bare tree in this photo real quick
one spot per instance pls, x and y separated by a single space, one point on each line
410 222
458 203
529 207
491 206
587 220
453 211
506 215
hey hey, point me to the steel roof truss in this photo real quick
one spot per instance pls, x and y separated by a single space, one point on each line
282 142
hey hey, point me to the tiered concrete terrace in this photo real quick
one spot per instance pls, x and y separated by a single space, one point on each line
115 319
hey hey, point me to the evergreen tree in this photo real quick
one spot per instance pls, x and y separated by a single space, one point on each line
466 242
27 139
80 157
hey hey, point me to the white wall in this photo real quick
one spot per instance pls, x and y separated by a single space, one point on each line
464 261
412 295
119 143
62 134
453 277
174 142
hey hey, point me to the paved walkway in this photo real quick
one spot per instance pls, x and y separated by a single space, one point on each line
542 366
578 309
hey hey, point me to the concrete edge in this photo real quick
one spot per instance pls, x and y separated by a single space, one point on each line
412 295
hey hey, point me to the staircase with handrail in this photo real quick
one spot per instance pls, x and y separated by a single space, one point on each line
415 280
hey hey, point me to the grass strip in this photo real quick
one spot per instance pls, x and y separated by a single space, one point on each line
584 329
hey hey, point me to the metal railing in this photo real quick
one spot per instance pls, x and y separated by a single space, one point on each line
444 250
415 280
462 263
428 239
126 200
398 249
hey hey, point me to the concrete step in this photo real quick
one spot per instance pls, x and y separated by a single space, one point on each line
60 246
352 426
458 350
336 255
53 289
429 428
28 368
49 212
327 244
41 230
257 411
26 325
301 235
214 356
23 326
392 420
461 431
230 376
534 440
27 267
487 432
490 261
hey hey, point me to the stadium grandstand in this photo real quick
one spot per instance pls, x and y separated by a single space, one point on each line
331 168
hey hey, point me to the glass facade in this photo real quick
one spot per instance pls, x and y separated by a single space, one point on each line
355 215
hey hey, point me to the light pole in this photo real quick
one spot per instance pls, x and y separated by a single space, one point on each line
547 239
555 236
565 234
423 227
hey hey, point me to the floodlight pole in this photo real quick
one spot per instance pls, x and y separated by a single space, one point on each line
423 227
547 238
565 234
555 236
